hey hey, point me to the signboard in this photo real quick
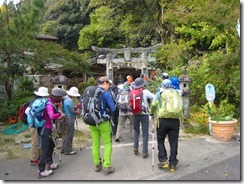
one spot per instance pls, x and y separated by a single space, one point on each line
210 92
34 78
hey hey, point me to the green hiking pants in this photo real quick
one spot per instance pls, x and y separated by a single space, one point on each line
103 130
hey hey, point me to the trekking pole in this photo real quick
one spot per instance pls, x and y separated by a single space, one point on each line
76 119
152 143
56 142
76 122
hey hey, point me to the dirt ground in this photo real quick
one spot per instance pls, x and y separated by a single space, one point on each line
18 145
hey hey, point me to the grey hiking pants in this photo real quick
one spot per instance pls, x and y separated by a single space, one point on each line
69 129
142 120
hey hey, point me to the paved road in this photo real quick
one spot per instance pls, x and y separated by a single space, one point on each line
201 158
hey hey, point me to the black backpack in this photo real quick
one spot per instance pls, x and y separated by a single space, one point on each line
91 105
114 91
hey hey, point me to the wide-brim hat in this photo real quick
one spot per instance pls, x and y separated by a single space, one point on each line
42 91
139 83
73 92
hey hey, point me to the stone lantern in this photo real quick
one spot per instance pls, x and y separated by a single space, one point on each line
59 81
184 86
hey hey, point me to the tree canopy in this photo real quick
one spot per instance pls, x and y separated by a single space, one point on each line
64 19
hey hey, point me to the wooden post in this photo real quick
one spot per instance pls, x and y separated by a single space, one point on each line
144 69
109 66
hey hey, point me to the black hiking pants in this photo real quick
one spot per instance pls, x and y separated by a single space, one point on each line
171 128
47 146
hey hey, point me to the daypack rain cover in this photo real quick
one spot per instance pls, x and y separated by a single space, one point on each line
171 105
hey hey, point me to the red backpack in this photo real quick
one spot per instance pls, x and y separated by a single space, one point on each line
135 98
22 115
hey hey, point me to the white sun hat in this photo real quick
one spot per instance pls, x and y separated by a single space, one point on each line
42 91
73 92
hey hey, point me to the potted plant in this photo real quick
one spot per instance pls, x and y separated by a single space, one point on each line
221 120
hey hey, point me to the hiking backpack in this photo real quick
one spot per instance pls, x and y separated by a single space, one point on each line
21 114
114 91
175 82
91 105
171 105
123 101
35 112
135 99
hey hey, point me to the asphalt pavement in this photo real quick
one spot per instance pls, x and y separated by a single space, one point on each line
200 159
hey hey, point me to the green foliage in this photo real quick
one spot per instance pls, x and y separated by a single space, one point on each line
64 19
224 112
23 94
19 26
198 121
90 82
127 23
197 130
153 85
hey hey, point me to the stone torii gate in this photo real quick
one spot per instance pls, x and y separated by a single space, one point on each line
127 60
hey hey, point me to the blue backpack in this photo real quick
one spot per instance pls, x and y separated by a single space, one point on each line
175 82
35 117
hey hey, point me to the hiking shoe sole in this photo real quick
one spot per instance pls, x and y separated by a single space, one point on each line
108 170
39 175
98 168
163 165
135 151
172 169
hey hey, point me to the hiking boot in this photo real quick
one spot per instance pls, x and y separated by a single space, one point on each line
71 153
44 173
116 140
145 155
163 165
172 168
108 170
34 162
135 150
52 166
98 168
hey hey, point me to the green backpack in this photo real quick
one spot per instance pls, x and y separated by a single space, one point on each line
171 105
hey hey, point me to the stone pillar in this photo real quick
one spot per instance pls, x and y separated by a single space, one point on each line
144 67
109 66
184 86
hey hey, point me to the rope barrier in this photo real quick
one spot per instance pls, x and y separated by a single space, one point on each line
14 129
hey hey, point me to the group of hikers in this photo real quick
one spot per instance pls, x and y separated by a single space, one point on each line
131 102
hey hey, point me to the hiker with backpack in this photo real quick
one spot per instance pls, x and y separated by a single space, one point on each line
51 113
139 105
124 112
69 121
98 105
167 107
42 92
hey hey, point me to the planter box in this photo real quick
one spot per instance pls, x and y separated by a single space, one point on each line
223 130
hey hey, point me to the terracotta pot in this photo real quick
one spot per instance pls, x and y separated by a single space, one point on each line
223 130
